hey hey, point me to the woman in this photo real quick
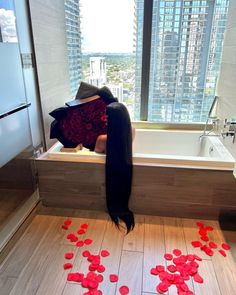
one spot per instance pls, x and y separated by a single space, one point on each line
99 122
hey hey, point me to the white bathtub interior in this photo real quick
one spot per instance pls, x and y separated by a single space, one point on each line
175 148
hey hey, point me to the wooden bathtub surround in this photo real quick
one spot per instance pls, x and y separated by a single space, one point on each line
35 264
164 191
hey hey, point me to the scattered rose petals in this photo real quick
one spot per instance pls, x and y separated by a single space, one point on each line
124 290
101 268
67 222
171 268
80 231
205 238
162 287
177 252
67 265
222 252
87 241
99 278
168 256
202 231
196 244
69 255
79 244
197 257
84 225
75 277
154 271
200 224
212 245
86 253
160 268
113 278
225 246
105 253
65 226
197 278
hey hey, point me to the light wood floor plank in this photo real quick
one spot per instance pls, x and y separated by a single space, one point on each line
135 239
174 239
130 272
210 285
225 268
113 242
154 250
32 274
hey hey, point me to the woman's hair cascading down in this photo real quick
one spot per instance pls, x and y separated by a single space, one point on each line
119 166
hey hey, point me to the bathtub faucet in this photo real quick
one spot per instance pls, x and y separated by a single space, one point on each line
215 127
230 126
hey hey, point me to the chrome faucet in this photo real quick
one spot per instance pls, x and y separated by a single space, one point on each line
215 126
231 124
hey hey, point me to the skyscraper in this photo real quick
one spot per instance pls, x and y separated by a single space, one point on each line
73 34
187 41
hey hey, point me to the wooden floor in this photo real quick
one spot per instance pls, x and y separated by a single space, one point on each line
35 264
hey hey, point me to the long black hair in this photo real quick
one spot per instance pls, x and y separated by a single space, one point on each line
119 165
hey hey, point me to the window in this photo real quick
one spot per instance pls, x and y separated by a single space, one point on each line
167 75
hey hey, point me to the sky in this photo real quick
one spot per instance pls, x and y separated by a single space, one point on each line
107 25
7 21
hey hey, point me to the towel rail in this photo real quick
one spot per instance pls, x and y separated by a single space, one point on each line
15 110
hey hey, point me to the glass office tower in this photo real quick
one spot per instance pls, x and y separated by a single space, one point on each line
187 41
73 34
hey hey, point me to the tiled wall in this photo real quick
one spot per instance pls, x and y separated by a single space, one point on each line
49 36
227 81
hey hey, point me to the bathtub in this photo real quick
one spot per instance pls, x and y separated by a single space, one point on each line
163 148
175 173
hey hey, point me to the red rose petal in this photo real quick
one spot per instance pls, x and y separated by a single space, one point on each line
101 268
171 268
65 226
162 287
197 278
69 255
84 225
124 290
84 283
67 222
202 231
177 252
75 277
67 265
69 236
205 238
160 268
86 253
196 244
93 284
113 278
105 253
222 252
99 278
197 257
168 256
225 246
154 271
213 245
88 241
200 224
80 231
79 244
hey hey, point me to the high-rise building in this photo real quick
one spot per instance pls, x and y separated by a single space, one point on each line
97 68
187 41
73 34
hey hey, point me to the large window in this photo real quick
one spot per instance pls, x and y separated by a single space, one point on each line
161 58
